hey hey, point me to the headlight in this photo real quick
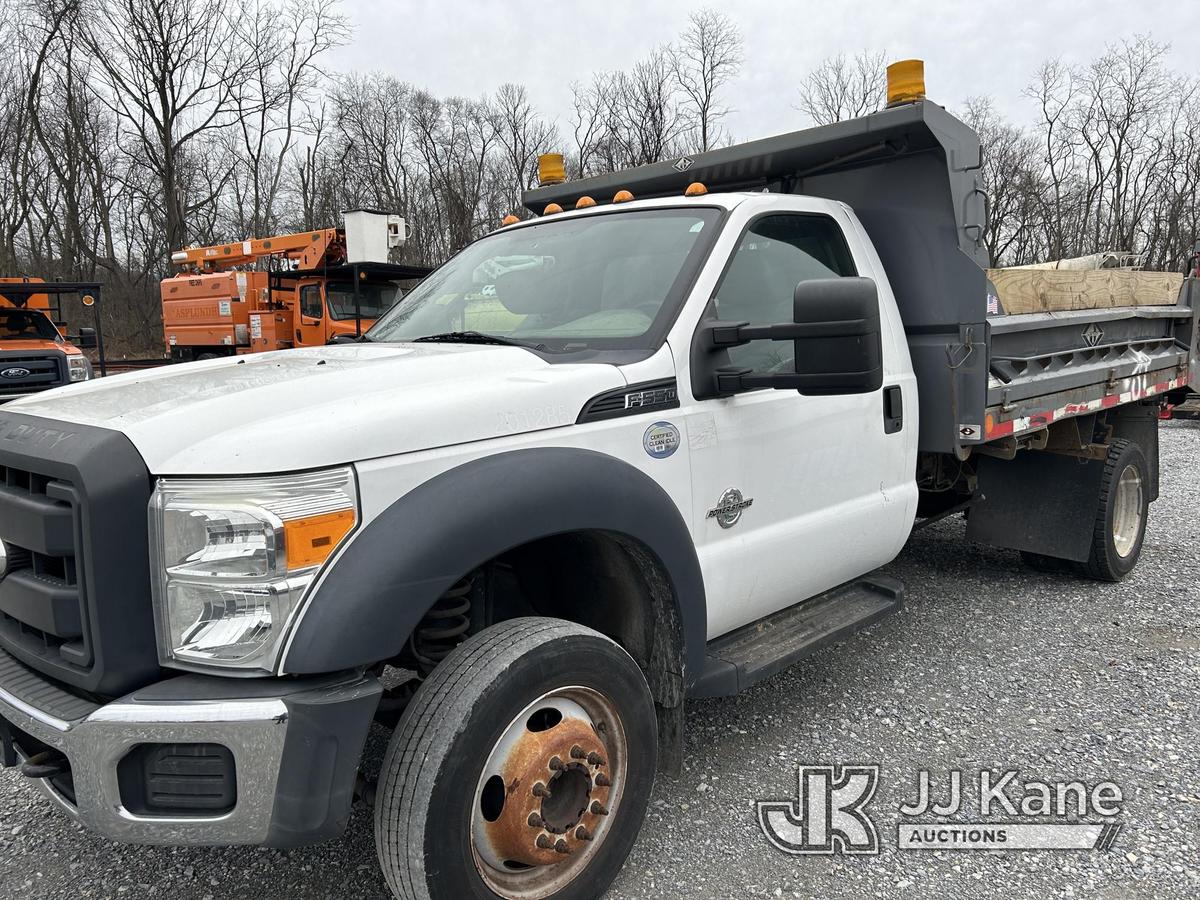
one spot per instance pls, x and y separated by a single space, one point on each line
79 368
233 557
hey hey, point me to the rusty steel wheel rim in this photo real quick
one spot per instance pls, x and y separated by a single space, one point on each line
549 793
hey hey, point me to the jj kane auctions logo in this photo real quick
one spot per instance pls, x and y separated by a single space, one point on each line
830 813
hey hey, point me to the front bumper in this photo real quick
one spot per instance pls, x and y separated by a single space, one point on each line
295 745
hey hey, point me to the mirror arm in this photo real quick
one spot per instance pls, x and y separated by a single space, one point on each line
735 334
722 335
733 380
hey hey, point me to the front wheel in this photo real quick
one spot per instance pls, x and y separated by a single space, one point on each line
521 768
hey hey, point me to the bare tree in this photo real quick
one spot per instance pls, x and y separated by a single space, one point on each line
841 88
284 48
1010 166
172 71
522 134
707 55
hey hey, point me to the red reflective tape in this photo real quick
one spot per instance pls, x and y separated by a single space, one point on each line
1001 429
1110 401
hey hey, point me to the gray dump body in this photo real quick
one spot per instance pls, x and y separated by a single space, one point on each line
912 176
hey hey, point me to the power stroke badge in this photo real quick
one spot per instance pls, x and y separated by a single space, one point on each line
661 440
730 507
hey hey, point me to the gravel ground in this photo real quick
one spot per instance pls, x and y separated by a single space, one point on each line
989 666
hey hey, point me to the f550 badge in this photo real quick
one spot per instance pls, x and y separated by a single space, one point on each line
661 440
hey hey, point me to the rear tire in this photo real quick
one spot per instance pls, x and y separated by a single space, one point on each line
1121 513
503 702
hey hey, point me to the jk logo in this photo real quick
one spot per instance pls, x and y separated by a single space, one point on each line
828 815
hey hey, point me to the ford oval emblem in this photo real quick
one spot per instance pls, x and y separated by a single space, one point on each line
15 372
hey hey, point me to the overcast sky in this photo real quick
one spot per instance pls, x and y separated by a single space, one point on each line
468 47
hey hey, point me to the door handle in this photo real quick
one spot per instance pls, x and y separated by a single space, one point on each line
893 409
299 336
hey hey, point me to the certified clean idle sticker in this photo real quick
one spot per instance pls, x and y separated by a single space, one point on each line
661 440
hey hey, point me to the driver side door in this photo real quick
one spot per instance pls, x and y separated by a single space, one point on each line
310 320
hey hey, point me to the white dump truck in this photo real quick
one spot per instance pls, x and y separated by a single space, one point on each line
604 460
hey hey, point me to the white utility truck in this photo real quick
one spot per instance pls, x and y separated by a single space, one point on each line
601 461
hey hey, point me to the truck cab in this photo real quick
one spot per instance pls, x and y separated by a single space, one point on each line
327 309
602 461
35 354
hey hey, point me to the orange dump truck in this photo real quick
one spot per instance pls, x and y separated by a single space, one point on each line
35 354
315 286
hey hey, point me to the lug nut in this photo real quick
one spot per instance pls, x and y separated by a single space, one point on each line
540 790
577 752
603 780
535 821
544 842
556 764
595 759
599 808
583 834
561 846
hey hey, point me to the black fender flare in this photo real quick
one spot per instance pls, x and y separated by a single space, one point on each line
398 565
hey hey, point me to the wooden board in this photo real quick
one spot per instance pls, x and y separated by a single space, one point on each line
1060 290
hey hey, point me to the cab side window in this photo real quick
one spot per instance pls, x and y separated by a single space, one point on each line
310 301
775 254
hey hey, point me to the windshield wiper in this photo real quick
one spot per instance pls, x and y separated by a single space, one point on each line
469 337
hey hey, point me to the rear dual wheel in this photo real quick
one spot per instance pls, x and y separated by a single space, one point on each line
1121 516
1119 527
521 768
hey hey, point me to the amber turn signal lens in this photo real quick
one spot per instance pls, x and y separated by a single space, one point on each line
310 540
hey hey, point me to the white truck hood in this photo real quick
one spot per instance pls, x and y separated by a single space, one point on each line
307 408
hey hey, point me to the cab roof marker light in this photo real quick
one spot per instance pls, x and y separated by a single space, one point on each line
551 209
622 196
510 219
695 189
584 202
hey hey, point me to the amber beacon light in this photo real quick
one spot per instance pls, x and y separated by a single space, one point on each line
905 81
551 169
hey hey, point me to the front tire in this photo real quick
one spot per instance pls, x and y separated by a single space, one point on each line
521 768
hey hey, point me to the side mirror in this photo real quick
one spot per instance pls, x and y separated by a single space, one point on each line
86 339
836 339
840 350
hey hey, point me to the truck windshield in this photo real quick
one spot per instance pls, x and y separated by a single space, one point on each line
373 300
607 281
26 325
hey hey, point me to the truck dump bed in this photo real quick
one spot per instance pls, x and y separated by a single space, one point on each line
911 174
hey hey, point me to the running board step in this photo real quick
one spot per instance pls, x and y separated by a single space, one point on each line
759 650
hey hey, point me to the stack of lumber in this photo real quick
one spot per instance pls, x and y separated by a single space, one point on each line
1061 290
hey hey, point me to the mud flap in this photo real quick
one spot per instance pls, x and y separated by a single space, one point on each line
1040 502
